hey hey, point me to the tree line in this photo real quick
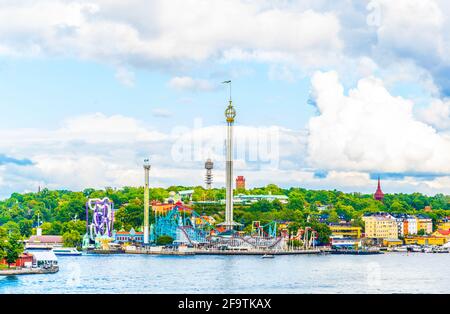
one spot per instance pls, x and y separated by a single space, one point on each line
63 212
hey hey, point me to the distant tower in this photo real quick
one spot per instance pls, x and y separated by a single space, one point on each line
209 165
146 200
240 183
379 195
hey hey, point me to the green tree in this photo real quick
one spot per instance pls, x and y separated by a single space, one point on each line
3 243
296 201
164 240
12 227
14 248
72 239
333 217
26 227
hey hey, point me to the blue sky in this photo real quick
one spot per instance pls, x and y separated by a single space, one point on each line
348 91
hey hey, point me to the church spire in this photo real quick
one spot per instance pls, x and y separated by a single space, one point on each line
379 195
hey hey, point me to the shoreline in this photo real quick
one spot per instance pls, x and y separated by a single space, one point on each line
28 271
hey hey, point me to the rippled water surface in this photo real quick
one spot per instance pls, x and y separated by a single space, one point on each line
388 273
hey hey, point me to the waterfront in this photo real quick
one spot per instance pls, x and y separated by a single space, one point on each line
387 273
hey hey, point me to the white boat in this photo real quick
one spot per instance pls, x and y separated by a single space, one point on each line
400 249
268 256
67 251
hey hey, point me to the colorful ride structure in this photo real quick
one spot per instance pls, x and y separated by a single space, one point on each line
100 231
181 224
307 237
186 227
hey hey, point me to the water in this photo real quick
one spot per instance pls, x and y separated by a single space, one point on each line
388 273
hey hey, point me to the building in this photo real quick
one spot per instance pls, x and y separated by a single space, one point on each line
407 224
131 236
44 259
249 199
345 243
379 195
380 226
428 240
442 234
44 241
24 260
186 194
444 224
399 218
424 223
346 231
240 183
392 242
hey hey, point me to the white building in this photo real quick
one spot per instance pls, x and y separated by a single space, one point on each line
412 224
44 259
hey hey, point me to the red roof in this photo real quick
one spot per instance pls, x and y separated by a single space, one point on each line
444 232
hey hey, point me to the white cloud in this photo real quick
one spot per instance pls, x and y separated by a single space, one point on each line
437 114
155 32
190 84
161 113
98 150
371 130
125 76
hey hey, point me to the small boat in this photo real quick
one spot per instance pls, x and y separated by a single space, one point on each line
268 256
67 251
400 249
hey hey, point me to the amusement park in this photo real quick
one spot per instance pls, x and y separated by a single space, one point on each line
189 232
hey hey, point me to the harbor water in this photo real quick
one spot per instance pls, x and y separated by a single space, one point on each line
385 273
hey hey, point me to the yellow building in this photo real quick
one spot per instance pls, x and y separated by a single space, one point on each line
392 242
442 234
444 225
345 231
425 240
425 224
380 227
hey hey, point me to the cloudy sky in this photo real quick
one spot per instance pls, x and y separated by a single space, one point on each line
329 94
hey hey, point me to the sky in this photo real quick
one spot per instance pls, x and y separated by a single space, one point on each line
329 95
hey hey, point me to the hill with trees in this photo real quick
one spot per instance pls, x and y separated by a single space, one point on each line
63 212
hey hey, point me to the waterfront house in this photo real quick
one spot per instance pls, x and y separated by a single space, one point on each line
24 260
345 230
424 223
442 234
131 236
44 241
392 242
380 226
338 242
44 259
409 224
426 240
